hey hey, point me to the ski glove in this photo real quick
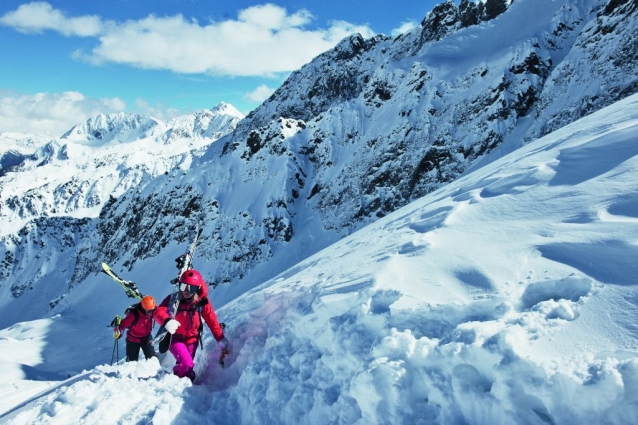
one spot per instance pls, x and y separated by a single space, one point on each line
171 326
117 333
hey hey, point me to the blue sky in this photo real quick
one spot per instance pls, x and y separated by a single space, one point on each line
65 60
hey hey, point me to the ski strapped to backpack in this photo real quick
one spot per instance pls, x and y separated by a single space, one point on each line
129 287
184 263
131 291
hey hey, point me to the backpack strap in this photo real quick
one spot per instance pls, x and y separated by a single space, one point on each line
200 330
136 312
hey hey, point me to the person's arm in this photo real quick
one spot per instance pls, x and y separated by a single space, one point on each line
161 315
211 320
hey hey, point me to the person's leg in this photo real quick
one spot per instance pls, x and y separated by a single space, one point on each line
183 358
147 347
132 351
192 349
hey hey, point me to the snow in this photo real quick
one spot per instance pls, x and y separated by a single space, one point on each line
507 296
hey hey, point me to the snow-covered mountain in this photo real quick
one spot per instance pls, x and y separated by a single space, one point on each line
207 124
100 159
362 130
195 129
16 147
508 296
113 128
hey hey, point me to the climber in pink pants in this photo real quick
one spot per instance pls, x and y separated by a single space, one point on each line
187 324
184 355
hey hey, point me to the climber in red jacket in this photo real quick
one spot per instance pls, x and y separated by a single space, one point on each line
186 326
139 322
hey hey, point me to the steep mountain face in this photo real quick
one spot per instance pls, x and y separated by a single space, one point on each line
415 114
598 69
360 131
9 159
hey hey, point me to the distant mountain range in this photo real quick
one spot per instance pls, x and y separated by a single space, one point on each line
355 134
101 158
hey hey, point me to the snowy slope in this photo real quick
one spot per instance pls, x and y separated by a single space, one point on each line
357 133
508 296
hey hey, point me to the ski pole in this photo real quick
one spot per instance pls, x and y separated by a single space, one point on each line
113 353
116 335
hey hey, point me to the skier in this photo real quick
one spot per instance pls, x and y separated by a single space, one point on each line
187 325
139 322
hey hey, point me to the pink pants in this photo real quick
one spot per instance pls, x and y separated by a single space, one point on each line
184 355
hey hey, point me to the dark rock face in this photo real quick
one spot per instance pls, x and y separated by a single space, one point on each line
602 62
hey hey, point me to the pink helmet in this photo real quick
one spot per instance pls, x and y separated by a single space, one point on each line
191 277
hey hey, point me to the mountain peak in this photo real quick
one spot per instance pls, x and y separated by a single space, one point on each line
103 129
227 109
204 124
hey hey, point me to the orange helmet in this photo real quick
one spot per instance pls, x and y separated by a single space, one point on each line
148 303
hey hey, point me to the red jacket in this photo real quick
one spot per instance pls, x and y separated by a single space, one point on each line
140 329
188 317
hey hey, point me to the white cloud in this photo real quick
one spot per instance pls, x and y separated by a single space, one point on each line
38 17
260 94
264 40
273 17
403 28
159 111
52 113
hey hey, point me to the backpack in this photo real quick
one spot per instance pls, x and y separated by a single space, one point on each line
135 309
199 307
132 308
200 330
